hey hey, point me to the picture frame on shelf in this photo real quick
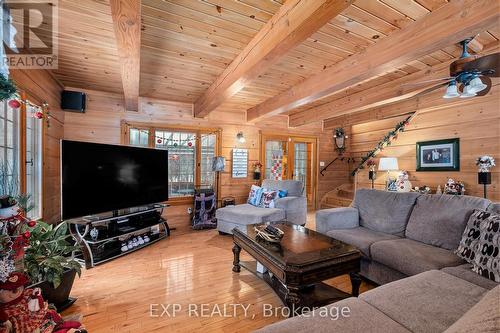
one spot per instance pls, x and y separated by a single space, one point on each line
438 155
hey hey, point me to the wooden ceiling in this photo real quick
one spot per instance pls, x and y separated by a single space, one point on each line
187 44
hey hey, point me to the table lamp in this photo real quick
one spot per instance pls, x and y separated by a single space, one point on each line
388 164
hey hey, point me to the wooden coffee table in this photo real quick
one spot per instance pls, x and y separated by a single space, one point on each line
298 265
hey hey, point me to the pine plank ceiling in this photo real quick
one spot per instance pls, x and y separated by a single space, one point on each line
186 45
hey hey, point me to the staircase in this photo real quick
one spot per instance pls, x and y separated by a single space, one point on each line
342 196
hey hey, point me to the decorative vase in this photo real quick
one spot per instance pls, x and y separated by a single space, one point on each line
484 178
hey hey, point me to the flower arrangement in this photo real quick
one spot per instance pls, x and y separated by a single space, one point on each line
371 165
485 163
257 166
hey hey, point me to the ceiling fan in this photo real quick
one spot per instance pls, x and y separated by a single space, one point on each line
469 75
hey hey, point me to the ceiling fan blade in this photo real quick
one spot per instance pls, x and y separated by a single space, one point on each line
489 62
487 81
431 89
447 79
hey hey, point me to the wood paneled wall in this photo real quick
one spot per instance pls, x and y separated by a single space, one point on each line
101 122
42 87
476 122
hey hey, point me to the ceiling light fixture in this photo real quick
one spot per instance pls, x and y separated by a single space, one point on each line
476 85
467 92
451 90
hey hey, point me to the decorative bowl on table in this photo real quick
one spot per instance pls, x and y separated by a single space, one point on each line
269 233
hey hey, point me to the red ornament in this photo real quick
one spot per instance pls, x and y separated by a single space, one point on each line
38 115
31 224
14 103
26 234
159 140
190 144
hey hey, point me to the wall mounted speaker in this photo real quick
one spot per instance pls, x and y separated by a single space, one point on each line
73 101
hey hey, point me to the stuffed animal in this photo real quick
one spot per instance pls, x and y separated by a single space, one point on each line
24 310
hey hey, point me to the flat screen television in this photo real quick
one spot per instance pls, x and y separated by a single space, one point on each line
98 178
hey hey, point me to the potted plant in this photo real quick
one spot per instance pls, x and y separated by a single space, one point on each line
49 263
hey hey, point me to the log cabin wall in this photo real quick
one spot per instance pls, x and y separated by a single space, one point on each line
476 122
42 87
105 112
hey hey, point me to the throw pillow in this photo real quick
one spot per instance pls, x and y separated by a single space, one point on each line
268 197
487 260
282 193
255 195
468 247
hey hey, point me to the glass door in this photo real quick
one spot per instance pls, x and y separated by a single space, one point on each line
289 157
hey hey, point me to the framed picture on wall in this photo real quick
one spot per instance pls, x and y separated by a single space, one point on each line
438 155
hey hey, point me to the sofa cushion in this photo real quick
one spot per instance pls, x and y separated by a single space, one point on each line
360 237
384 211
487 260
248 214
295 188
468 247
465 273
482 317
411 257
440 219
427 302
362 318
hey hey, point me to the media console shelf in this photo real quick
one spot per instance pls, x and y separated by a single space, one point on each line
111 235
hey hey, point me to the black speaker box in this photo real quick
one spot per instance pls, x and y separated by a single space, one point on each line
73 101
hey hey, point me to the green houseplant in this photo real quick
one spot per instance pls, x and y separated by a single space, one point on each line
49 263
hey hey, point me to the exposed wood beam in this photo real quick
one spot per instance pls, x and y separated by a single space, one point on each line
400 89
425 103
386 93
450 24
295 21
127 25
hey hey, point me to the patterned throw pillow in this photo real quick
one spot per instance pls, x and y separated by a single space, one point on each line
480 244
487 259
255 195
469 243
268 197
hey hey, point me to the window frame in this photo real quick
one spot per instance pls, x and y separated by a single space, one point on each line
22 151
125 139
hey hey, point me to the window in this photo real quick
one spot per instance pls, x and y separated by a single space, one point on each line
33 161
9 149
21 160
190 153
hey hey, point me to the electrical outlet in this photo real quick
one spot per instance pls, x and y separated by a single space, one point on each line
321 163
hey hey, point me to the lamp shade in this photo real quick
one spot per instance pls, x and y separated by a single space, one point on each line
451 90
388 164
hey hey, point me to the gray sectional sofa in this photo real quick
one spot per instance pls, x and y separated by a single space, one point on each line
292 208
401 234
407 242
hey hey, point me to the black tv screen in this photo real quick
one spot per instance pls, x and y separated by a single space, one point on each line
98 178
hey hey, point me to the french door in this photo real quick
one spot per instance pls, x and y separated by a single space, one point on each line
290 157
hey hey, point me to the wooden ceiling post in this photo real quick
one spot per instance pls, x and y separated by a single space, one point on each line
127 25
443 27
295 21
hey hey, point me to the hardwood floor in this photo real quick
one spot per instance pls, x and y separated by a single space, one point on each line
190 268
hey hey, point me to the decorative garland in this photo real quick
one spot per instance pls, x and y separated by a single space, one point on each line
39 112
386 141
